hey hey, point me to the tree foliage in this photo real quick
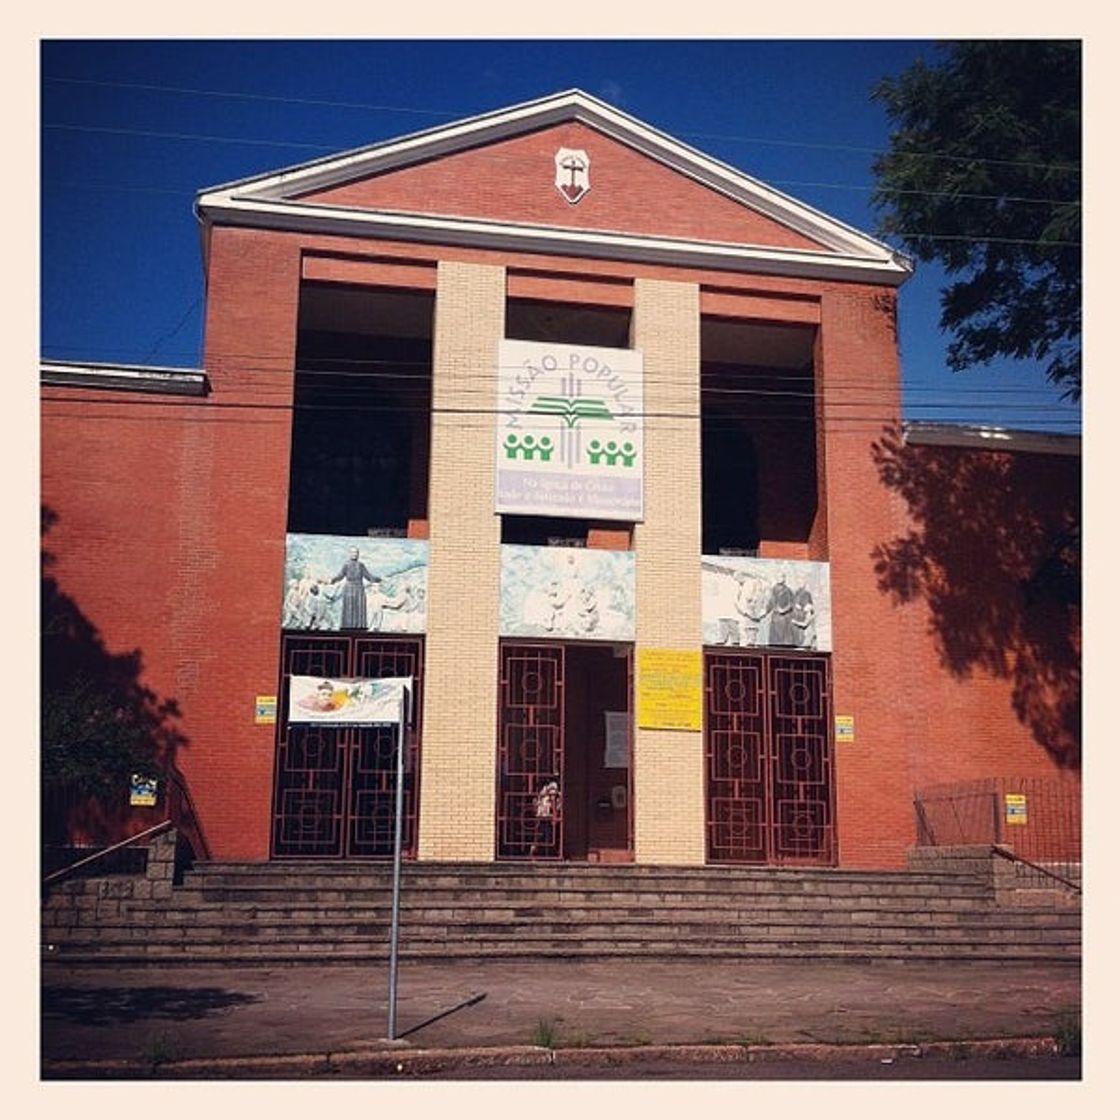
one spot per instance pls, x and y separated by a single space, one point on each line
983 175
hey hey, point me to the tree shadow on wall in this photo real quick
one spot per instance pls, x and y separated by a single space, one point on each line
98 724
994 552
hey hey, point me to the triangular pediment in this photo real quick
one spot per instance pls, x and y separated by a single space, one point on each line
565 174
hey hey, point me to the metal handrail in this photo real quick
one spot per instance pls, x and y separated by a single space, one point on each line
1005 853
194 829
62 872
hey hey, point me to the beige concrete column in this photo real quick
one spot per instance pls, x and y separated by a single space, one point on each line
461 663
669 765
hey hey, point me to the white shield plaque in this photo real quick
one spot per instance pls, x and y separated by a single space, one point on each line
573 173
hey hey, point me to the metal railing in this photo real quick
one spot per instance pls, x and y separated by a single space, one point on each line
1040 872
1034 822
103 853
178 811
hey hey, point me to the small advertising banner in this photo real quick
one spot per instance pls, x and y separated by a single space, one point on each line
348 701
1015 808
670 689
845 729
569 431
142 790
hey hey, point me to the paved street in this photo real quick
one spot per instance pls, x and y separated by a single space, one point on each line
157 1016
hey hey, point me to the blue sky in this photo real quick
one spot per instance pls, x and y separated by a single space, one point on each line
132 130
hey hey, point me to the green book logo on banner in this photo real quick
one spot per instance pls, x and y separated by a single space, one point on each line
572 410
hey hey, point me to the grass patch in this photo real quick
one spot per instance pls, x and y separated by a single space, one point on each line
160 1050
1067 1033
545 1034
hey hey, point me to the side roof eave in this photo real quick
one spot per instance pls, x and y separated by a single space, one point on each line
267 200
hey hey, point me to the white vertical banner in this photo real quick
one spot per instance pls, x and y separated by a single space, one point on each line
617 753
569 434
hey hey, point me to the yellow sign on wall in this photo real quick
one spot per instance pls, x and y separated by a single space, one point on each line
670 689
845 729
266 709
1015 808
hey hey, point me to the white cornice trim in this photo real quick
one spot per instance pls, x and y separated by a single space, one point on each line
980 437
515 237
137 379
280 187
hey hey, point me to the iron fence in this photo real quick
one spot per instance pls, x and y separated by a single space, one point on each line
76 824
1038 820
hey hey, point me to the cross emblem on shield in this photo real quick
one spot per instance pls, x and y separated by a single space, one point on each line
573 173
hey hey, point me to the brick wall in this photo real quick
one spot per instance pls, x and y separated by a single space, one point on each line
169 537
873 640
75 907
513 181
171 523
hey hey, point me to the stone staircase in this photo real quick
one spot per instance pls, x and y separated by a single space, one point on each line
290 912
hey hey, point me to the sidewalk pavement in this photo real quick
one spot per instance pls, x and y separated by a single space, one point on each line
229 1020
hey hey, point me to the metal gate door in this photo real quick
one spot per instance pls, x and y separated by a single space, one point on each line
769 759
335 787
530 750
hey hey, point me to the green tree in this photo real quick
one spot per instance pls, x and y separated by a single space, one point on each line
983 175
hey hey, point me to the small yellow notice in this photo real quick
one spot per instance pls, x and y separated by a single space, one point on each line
670 689
845 729
1015 808
266 709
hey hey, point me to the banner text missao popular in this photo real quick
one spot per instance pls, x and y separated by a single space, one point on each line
517 396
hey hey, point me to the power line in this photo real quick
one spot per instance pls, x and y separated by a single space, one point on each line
465 415
187 136
249 365
271 98
420 374
205 138
723 137
174 331
192 191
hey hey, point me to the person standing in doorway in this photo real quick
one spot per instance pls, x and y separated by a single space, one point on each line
546 809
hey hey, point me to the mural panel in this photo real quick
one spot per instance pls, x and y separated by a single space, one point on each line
567 593
355 583
766 603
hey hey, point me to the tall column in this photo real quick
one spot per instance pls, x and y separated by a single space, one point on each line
457 785
875 641
669 765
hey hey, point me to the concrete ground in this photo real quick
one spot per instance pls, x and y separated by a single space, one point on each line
227 1020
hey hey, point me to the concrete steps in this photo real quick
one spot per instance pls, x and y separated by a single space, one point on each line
289 912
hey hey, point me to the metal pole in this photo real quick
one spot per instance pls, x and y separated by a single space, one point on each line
395 926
